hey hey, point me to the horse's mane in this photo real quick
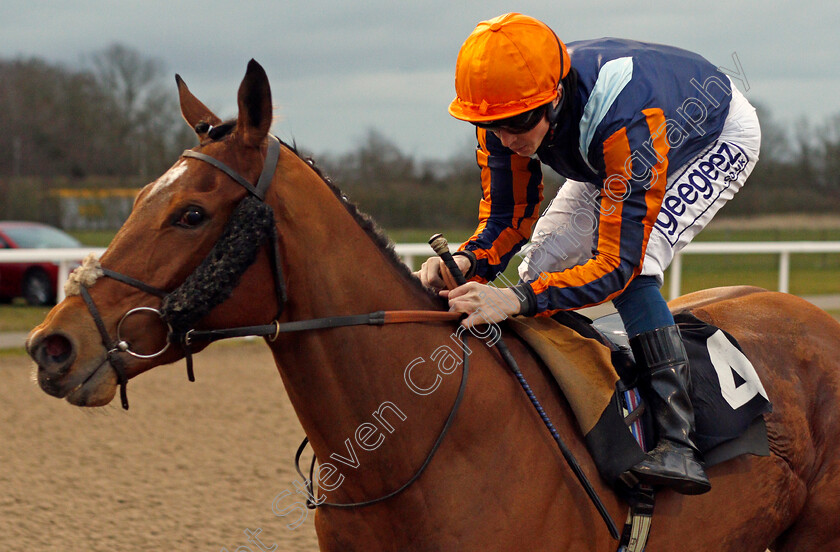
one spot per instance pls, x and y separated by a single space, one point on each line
371 228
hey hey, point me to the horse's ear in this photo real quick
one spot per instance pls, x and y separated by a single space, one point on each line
199 117
254 106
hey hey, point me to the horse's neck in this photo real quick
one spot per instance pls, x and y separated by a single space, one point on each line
338 379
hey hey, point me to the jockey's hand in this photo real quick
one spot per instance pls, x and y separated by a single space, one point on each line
484 304
434 274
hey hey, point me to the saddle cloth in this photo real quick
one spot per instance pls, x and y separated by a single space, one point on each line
596 375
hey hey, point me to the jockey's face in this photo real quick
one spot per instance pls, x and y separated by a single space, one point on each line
526 143
520 141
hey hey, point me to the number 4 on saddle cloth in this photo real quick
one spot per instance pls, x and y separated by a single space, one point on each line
594 368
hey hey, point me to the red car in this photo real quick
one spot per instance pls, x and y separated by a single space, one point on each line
35 282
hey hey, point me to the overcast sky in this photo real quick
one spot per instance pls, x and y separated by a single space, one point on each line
338 68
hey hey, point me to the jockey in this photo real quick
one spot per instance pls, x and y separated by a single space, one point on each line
652 140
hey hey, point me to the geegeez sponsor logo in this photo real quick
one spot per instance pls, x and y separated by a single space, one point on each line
696 190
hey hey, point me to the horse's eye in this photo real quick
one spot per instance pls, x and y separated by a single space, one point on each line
191 217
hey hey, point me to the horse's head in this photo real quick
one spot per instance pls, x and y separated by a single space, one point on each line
190 253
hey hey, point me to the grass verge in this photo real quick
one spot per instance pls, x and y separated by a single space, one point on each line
20 317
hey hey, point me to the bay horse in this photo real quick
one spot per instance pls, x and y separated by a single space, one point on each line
497 481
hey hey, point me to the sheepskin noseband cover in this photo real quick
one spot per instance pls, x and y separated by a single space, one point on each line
213 281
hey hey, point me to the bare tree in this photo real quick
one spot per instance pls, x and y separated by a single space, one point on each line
145 118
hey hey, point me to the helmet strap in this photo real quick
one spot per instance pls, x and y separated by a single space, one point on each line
554 110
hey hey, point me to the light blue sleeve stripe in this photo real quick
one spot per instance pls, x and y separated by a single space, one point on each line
612 78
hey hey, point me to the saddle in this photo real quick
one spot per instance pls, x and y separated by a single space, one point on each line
595 369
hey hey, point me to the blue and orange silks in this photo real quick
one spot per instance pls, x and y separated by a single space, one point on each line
639 112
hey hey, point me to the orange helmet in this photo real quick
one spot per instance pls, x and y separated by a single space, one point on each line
507 66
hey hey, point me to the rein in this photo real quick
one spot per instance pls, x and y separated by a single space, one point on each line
273 330
312 501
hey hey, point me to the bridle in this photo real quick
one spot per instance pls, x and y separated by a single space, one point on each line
178 311
250 226
253 216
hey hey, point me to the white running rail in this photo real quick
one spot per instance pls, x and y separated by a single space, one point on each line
68 258
783 249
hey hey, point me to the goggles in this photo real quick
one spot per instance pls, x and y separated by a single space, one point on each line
518 124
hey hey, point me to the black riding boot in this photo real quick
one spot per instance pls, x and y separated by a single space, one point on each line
664 379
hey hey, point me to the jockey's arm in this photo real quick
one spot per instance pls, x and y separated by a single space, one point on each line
634 162
511 195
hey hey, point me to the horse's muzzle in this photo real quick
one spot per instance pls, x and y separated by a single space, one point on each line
60 374
54 354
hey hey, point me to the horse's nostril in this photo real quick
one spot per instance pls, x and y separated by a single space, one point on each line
57 348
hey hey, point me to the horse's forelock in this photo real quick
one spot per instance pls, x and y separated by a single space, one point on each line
220 131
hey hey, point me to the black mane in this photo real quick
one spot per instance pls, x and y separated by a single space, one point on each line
370 227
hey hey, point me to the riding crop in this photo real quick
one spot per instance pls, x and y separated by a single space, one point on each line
441 247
